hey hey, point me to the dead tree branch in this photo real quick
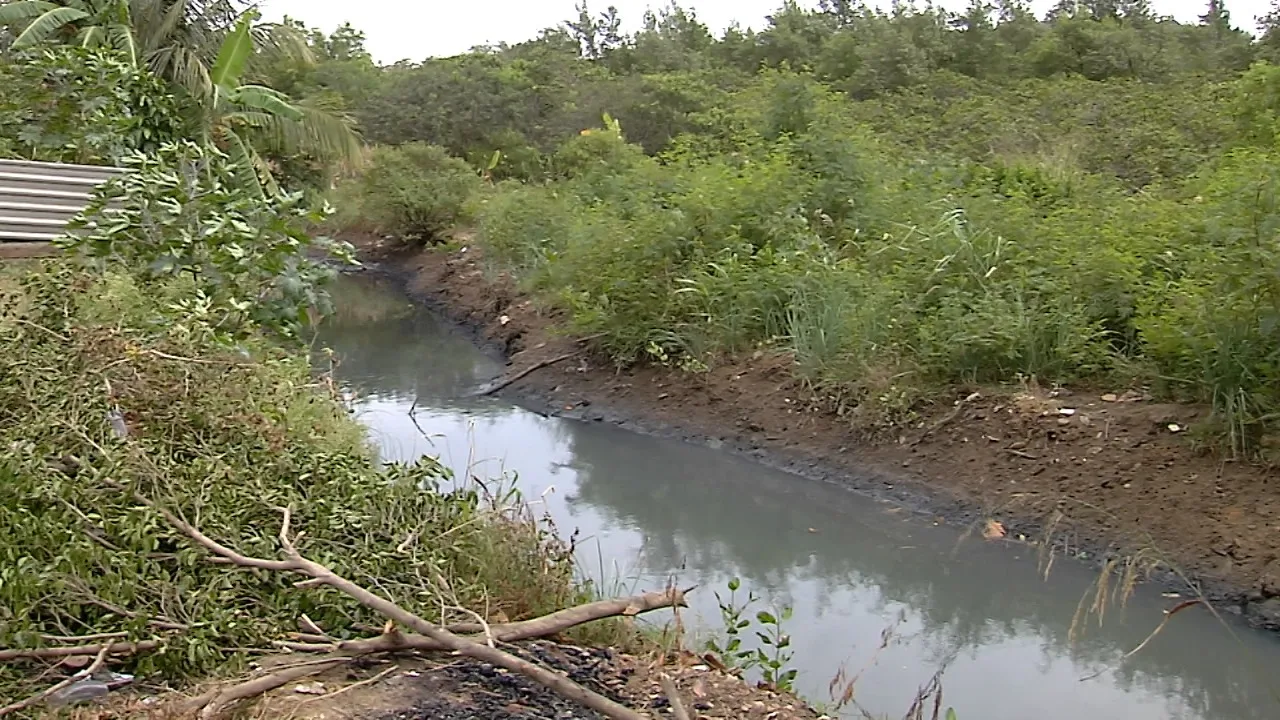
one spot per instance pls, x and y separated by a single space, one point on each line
547 625
84 638
98 661
318 574
673 696
214 703
125 648
495 387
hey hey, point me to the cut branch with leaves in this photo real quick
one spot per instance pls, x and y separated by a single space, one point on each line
320 575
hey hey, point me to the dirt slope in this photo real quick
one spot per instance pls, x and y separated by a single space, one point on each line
1098 473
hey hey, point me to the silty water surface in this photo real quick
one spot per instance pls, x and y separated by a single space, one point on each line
649 509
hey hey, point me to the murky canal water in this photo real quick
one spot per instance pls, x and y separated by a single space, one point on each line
650 509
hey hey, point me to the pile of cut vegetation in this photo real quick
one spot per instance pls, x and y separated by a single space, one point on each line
147 466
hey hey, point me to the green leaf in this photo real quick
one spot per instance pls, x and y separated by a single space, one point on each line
91 36
266 99
246 161
766 617
951 714
22 11
234 53
122 39
47 24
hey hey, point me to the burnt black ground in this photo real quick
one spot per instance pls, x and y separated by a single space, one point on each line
472 690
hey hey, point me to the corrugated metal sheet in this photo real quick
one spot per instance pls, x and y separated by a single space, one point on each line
37 199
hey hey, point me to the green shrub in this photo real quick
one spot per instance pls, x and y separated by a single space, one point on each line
222 437
1070 230
416 192
184 212
80 105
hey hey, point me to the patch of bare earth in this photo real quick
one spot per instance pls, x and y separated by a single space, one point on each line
461 688
1092 470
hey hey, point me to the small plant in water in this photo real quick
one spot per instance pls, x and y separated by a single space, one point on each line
774 654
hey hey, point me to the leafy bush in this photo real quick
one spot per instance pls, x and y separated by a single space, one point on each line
1212 323
183 212
222 438
415 192
72 104
800 231
1098 218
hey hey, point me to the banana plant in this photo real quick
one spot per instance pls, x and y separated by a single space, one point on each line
88 23
244 118
175 39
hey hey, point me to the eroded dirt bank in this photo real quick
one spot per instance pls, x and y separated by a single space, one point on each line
1096 473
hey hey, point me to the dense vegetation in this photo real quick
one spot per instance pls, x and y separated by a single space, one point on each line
223 436
156 368
907 199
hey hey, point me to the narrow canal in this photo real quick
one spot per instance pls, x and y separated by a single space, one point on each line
646 510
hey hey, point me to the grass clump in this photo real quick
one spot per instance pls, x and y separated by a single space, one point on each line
222 436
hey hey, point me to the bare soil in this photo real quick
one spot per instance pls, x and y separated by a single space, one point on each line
466 689
1098 474
460 688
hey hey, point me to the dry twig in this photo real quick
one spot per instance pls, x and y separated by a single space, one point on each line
95 666
353 686
125 648
673 696
1168 615
320 575
545 626
495 387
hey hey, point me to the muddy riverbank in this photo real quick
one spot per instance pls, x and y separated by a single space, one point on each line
1095 474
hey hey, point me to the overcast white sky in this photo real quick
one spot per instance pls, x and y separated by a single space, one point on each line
418 29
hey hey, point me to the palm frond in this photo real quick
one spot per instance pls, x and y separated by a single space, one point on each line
46 25
158 22
90 36
246 160
322 135
277 41
122 39
183 66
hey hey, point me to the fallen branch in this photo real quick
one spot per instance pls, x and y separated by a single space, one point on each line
98 661
84 638
673 696
347 688
495 387
125 648
556 622
213 703
311 626
320 575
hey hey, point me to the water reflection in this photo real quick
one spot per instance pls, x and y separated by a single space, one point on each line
850 567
